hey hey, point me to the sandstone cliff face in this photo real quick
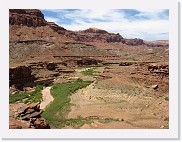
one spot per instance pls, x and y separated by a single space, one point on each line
26 17
29 24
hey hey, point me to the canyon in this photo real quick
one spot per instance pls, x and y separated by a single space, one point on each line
130 78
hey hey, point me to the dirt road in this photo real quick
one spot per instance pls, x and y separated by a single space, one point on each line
47 98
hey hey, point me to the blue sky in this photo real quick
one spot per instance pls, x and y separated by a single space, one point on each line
148 24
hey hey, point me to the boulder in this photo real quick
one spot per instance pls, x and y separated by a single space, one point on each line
25 117
35 114
21 115
29 111
17 124
35 106
15 110
39 123
154 86
22 109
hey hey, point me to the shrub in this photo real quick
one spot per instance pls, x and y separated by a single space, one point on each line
27 97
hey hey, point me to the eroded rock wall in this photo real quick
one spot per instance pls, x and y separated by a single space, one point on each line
26 17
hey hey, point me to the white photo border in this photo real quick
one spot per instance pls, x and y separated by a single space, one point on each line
171 133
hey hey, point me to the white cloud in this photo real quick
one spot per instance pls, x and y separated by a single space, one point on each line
52 19
150 13
115 21
106 14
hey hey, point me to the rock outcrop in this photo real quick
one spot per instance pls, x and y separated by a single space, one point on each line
36 73
24 116
126 63
16 124
39 123
161 69
94 35
94 30
56 28
99 35
134 42
26 17
87 61
20 76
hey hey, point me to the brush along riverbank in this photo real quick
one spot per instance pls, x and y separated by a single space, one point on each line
56 113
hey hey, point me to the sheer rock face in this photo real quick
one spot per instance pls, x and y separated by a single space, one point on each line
26 17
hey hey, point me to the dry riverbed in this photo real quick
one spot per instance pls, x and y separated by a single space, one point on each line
46 98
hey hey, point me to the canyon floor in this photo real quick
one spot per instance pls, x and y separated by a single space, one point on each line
120 96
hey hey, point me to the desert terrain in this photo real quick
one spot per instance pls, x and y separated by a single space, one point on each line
87 79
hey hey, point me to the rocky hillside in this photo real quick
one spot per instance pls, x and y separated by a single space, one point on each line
94 35
33 40
20 19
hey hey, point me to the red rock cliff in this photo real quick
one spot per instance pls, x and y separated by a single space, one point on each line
26 17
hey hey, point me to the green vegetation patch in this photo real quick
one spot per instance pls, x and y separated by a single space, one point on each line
108 120
77 122
27 97
80 121
88 72
56 113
